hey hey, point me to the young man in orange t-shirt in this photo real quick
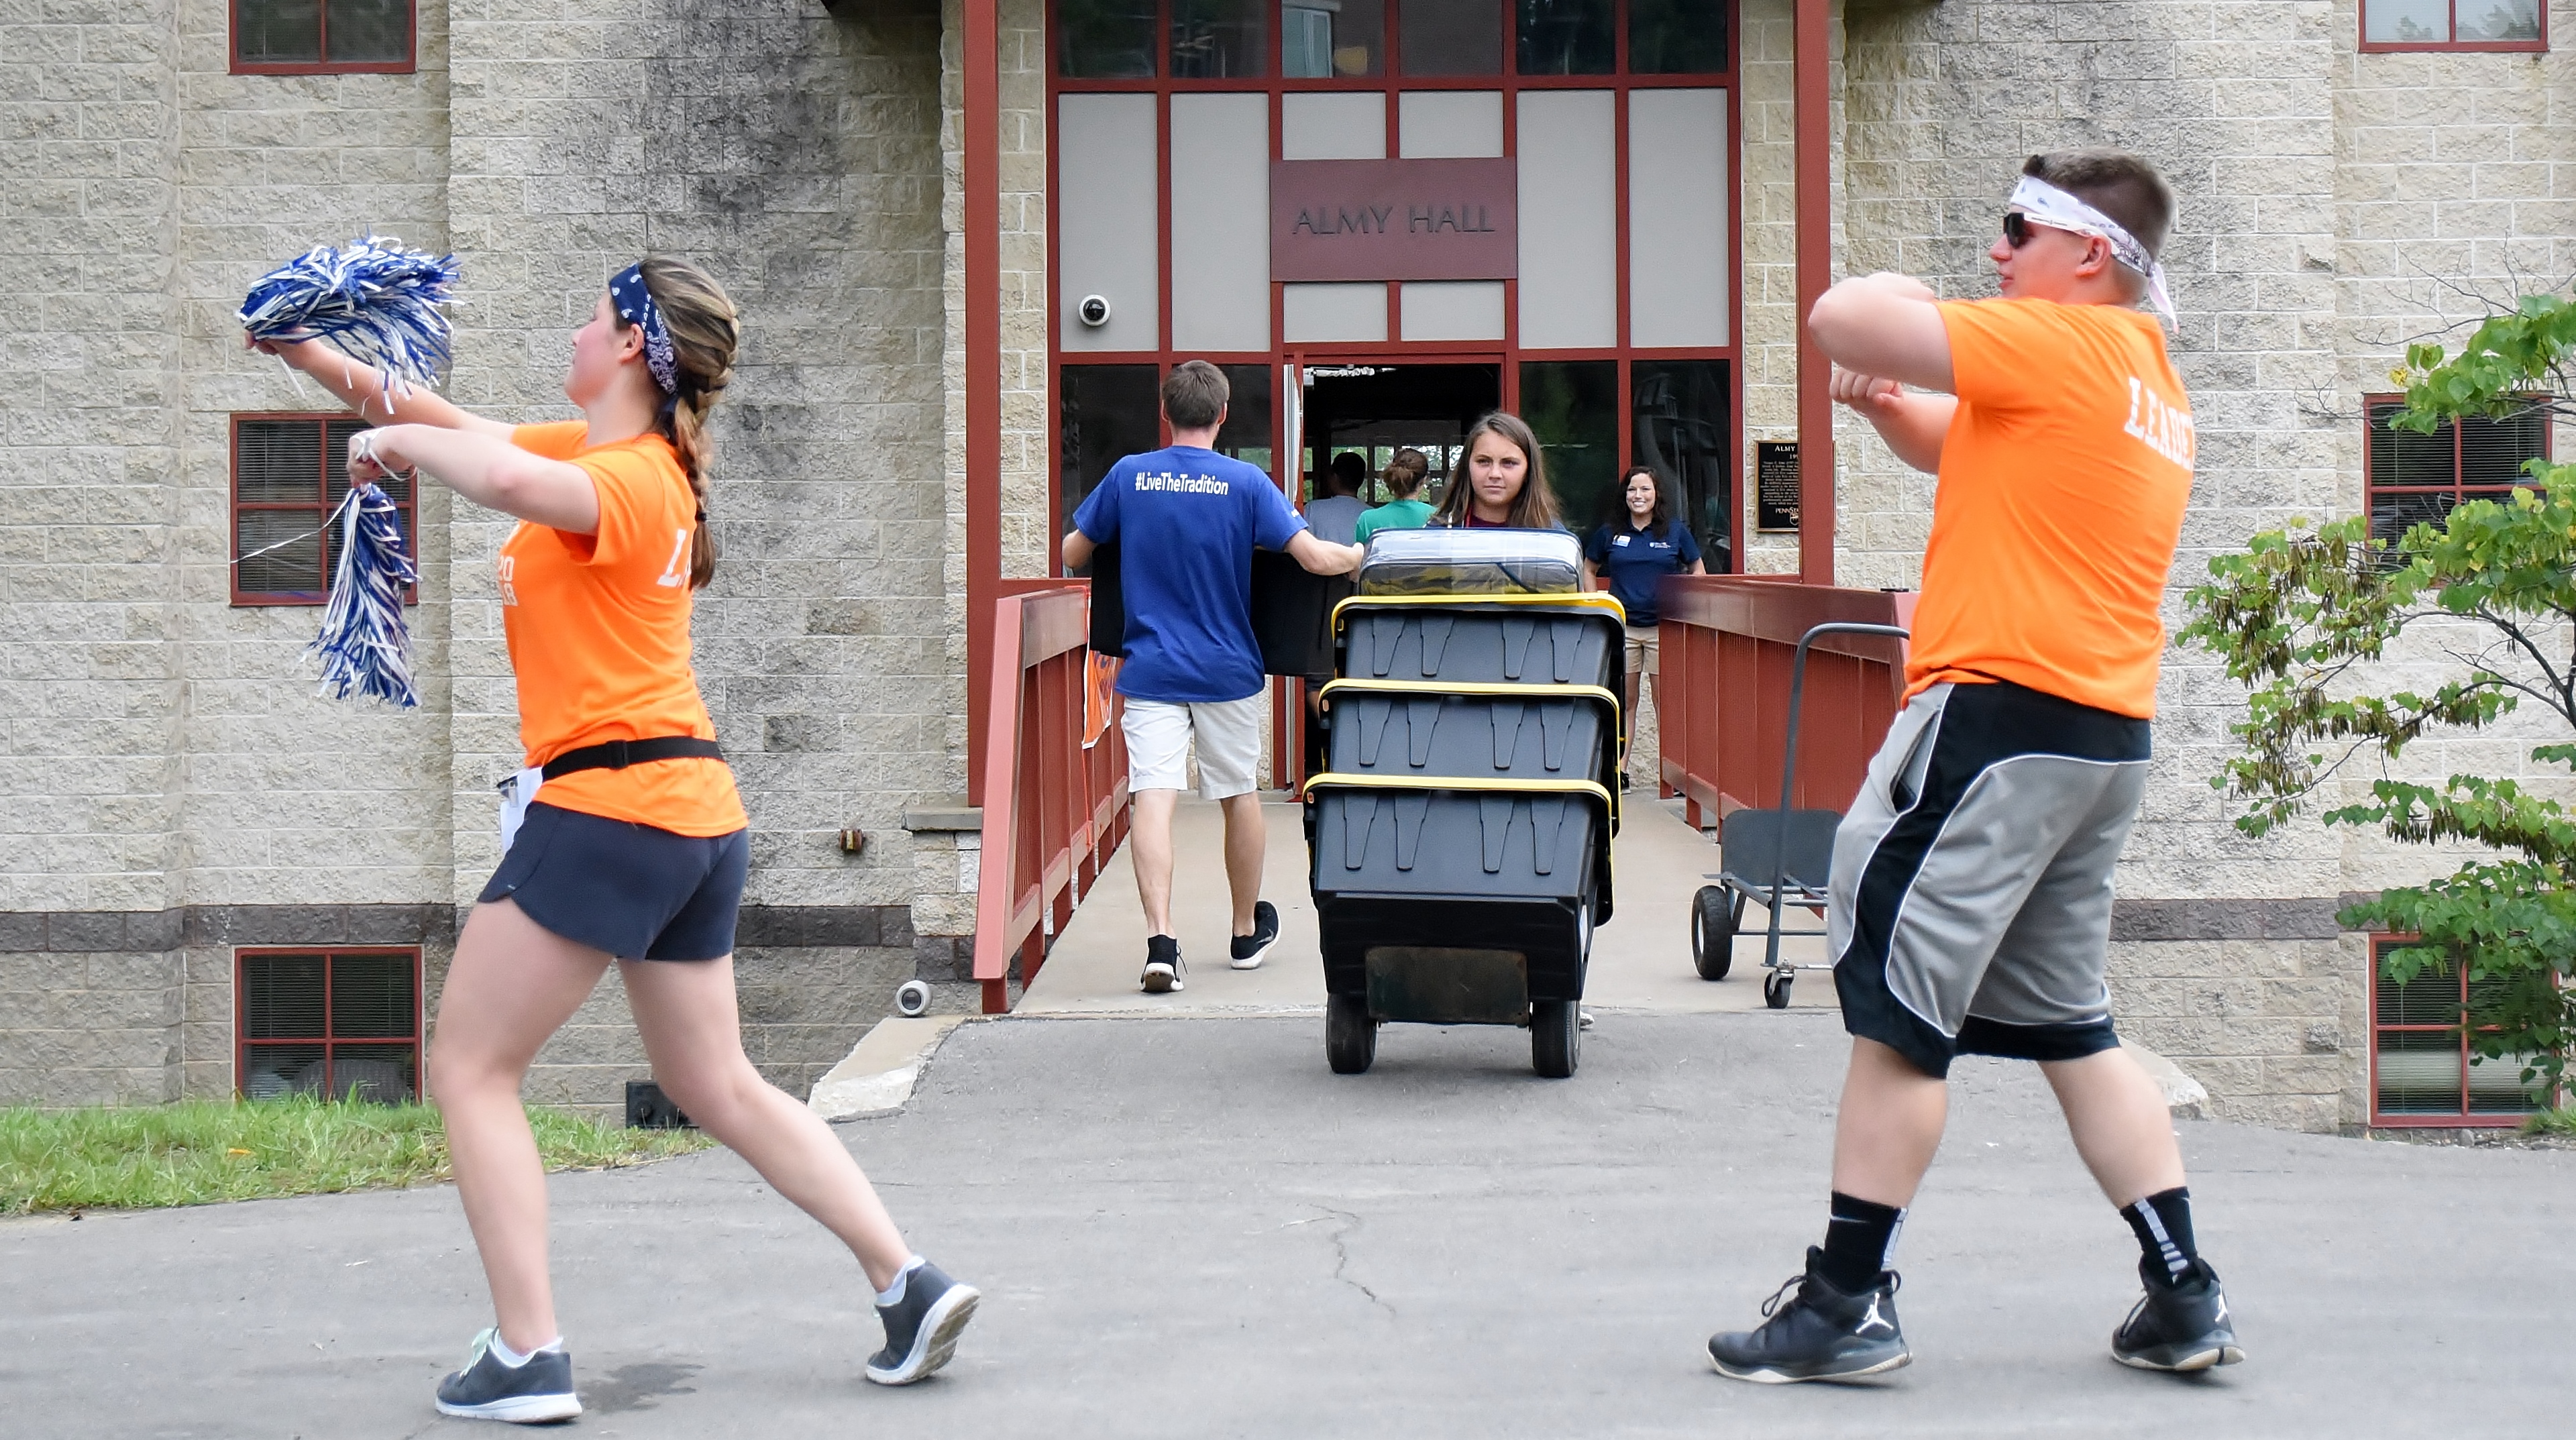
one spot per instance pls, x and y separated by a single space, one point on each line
1971 892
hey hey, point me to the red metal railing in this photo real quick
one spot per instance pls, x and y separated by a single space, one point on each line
1727 643
1053 811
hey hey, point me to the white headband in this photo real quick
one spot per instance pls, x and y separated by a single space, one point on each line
2058 210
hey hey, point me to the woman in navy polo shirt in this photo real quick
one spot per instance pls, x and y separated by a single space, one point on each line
1633 555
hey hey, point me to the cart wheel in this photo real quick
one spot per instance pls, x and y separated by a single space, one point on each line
1712 932
1350 1036
1775 989
1556 1034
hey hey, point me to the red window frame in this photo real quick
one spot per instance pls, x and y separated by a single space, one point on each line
2374 410
319 507
2361 18
409 64
1507 352
244 1044
2462 1119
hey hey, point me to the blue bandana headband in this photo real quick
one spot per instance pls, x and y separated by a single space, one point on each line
635 306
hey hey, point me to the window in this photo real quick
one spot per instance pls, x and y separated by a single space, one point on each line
1680 412
305 37
2454 25
288 473
1103 412
2421 1070
1573 408
338 1023
2416 478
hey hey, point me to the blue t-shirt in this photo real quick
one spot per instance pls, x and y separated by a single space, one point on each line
1634 560
1187 521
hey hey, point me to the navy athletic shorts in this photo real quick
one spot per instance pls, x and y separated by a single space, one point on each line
635 891
1971 894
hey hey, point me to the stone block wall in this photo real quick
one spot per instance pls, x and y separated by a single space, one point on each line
288 798
165 758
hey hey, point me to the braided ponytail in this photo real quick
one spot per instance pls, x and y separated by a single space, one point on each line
704 334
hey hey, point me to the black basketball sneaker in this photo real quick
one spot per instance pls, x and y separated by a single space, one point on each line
1819 1333
2177 1327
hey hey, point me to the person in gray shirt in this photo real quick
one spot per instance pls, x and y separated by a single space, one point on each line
1335 514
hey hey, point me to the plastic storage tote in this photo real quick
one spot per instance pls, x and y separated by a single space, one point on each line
1564 640
1474 733
1443 904
1453 563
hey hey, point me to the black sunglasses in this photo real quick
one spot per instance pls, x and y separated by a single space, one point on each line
2016 229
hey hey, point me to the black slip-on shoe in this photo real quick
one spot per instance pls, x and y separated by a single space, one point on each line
529 1394
2180 1327
1819 1333
921 1329
1163 967
1250 950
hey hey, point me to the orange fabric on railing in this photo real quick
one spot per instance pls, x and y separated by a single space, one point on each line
1099 682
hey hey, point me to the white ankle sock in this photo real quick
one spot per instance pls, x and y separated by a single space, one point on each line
512 1359
893 1294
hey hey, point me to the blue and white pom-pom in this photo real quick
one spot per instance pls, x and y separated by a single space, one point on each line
365 644
375 301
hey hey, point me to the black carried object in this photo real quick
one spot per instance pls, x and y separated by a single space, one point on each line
1292 611
618 754
1780 857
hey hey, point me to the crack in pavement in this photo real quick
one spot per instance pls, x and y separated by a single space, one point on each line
1342 1256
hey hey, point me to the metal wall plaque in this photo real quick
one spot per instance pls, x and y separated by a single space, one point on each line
1775 486
1394 219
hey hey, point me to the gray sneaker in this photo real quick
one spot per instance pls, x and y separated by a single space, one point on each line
921 1329
529 1394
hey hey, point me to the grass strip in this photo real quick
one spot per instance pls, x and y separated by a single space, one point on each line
2561 1121
197 1152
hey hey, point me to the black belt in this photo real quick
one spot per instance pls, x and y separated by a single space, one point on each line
618 754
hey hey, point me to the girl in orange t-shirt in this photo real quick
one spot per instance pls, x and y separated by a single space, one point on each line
636 851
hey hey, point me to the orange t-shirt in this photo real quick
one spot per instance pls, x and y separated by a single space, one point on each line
598 627
2064 478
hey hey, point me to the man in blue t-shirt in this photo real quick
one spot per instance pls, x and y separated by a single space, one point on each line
1187 520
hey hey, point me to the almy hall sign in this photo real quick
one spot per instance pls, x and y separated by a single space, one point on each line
1394 219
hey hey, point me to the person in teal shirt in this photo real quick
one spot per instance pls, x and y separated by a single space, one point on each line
1403 477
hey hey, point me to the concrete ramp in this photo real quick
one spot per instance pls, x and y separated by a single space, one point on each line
1640 960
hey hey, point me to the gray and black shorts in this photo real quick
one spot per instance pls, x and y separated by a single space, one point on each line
1971 904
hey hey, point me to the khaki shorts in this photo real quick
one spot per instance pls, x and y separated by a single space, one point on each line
1642 649
1227 732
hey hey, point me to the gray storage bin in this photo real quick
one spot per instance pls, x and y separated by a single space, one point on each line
1535 733
1570 644
1411 884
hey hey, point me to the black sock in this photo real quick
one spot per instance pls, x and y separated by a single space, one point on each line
2163 1223
1859 1242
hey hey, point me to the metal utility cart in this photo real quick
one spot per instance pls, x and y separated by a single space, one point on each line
1460 833
1781 857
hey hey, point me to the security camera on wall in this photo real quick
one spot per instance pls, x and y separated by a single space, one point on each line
1093 311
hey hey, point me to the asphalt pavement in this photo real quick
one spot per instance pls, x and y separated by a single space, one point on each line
1191 1228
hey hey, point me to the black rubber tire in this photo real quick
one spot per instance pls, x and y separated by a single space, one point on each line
1775 989
1556 1037
1712 932
1350 1036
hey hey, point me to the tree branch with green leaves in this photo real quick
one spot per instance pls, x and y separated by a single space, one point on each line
2307 620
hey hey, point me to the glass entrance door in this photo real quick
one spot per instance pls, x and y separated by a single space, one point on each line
1374 408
